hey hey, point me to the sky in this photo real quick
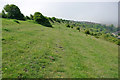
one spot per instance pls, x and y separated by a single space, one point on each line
99 11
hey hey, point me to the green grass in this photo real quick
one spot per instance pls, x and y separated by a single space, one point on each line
31 50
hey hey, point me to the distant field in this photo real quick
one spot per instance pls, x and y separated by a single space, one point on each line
31 50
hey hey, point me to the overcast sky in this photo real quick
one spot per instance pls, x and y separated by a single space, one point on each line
101 11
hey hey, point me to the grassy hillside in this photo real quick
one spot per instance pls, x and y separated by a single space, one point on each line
34 51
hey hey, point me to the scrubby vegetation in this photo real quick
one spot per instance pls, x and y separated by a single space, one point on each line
40 19
16 21
87 31
71 49
95 29
12 12
78 28
67 25
60 52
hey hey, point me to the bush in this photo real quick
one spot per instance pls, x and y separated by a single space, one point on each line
50 19
96 36
57 20
16 21
87 32
7 30
67 25
3 14
92 33
118 42
31 16
53 18
72 26
13 12
27 18
78 28
40 19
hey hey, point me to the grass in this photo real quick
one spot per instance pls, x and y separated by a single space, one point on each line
31 50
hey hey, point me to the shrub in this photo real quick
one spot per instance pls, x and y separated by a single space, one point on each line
3 14
16 21
7 30
40 19
27 18
87 31
13 12
31 16
53 18
72 26
57 20
78 28
50 19
96 36
67 25
92 33
118 42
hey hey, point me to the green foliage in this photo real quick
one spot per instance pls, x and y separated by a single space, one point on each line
78 28
53 18
109 37
7 30
13 12
3 14
0 15
67 25
57 20
27 18
50 19
40 19
71 26
106 35
31 16
118 43
16 21
87 31
96 36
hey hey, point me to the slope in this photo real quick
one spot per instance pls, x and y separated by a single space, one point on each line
34 51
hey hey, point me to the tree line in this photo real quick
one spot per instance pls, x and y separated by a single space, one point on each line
13 12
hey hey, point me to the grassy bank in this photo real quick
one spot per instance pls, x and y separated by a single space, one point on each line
31 50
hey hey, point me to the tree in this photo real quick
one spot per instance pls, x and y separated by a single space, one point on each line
13 12
40 19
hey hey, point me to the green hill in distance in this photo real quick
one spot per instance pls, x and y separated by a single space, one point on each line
31 50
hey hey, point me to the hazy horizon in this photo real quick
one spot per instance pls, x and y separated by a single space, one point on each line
99 12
